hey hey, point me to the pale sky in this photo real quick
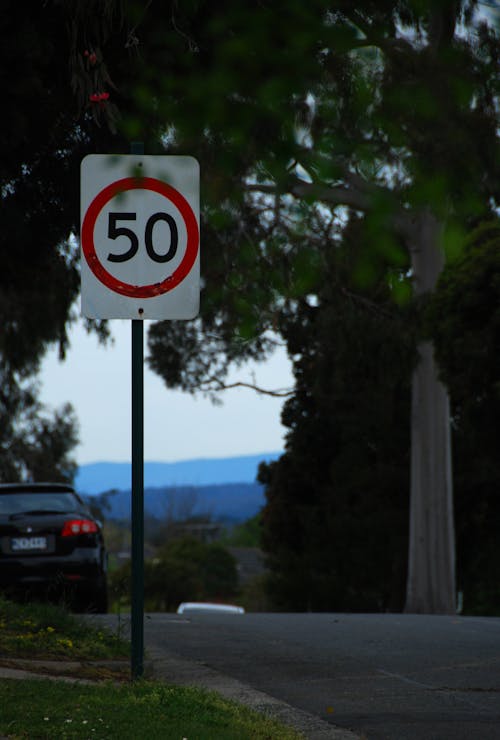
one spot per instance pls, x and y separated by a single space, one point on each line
177 426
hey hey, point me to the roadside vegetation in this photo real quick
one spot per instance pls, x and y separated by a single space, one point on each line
110 708
45 631
47 709
182 567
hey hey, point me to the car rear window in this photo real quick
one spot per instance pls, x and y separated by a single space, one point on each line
24 501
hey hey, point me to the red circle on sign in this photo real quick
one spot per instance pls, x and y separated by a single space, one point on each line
88 245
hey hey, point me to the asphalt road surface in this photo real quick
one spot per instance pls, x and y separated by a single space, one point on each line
385 677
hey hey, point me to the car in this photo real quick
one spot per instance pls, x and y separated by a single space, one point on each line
51 546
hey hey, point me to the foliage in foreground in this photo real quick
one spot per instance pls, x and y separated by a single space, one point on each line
49 631
144 709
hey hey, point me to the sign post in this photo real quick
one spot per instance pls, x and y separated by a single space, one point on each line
140 260
137 602
137 491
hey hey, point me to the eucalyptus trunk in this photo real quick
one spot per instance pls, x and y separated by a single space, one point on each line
431 556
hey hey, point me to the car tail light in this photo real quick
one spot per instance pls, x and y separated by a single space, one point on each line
75 527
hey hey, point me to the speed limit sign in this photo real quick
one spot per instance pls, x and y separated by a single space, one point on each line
140 237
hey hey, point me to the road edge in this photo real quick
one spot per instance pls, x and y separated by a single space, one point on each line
181 672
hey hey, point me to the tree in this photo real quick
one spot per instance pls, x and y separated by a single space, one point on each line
39 175
34 446
184 569
382 108
463 320
334 522
44 136
246 534
385 108
47 445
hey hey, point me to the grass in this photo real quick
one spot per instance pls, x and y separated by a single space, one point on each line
45 631
51 709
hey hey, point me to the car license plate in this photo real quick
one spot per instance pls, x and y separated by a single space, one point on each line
20 544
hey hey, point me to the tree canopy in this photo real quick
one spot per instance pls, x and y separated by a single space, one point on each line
44 136
463 319
385 109
308 118
381 107
389 111
335 521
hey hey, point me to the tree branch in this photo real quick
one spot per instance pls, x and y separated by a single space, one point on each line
358 193
377 38
335 196
216 386
371 306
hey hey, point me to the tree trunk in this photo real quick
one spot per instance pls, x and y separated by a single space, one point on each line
431 557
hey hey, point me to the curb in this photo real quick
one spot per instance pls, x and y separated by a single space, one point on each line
174 670
24 673
61 670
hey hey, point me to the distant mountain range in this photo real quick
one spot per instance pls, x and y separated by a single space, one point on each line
229 503
99 477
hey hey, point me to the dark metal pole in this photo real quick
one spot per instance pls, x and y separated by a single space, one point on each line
137 616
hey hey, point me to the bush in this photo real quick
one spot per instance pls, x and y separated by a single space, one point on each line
184 570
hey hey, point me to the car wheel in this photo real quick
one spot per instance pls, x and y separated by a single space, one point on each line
100 600
92 600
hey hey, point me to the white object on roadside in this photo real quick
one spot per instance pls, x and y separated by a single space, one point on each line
200 606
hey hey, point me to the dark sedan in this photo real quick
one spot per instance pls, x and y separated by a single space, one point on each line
51 546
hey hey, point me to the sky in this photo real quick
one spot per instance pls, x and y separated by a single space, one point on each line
177 425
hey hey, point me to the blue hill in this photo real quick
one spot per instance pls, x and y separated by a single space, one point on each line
95 478
232 502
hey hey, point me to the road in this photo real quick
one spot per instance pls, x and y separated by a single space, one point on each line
386 677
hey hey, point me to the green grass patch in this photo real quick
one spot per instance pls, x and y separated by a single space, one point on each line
45 709
46 631
52 709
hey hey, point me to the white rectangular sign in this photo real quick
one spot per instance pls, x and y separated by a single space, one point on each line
140 236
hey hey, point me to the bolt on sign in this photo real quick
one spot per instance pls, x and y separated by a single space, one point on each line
140 236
